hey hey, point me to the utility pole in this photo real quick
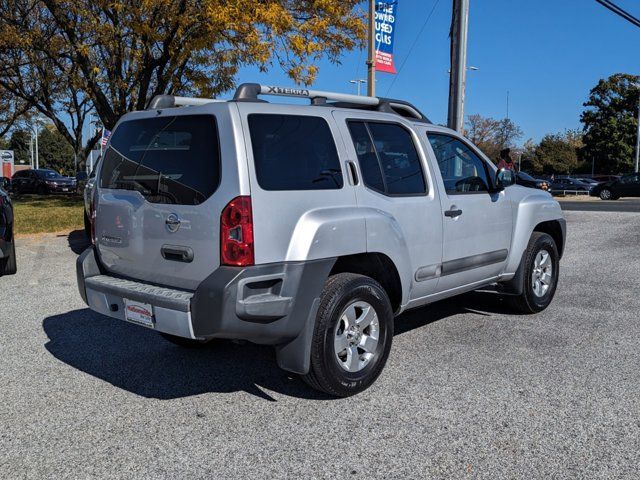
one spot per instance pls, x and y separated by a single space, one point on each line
458 77
371 57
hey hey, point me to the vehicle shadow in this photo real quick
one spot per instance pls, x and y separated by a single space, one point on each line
78 241
142 362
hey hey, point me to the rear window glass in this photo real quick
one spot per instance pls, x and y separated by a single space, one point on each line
172 160
294 152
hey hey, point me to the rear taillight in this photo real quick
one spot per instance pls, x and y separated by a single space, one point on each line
236 233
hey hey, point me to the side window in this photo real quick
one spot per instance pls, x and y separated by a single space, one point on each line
388 158
462 170
294 152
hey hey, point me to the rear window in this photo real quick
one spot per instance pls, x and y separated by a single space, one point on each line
294 152
172 160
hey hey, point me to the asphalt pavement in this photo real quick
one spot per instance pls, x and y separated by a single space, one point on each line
597 205
470 391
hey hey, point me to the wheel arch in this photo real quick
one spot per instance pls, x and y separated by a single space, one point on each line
555 229
377 266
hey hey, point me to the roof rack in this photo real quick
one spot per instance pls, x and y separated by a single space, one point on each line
170 101
248 92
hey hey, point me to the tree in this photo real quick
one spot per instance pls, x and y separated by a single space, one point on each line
19 143
67 56
610 123
558 153
491 135
55 152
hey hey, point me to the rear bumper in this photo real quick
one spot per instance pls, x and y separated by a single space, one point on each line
269 304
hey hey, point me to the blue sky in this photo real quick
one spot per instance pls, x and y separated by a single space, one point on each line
548 54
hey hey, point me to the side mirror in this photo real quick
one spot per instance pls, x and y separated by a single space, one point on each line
505 178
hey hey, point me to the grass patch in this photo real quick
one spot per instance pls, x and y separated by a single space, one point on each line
46 214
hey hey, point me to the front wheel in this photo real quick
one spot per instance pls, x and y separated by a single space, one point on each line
352 336
541 264
606 194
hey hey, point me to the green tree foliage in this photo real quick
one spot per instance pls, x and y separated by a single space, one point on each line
610 123
19 143
55 152
492 135
557 153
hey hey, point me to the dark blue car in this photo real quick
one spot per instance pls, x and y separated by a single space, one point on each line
7 245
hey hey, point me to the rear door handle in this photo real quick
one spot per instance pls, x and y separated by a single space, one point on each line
453 213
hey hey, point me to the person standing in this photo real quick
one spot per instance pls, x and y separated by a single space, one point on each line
505 160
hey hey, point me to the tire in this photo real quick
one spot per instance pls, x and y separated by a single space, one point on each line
534 297
354 309
42 190
606 194
8 265
185 342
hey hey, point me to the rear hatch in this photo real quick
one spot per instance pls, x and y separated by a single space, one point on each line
159 196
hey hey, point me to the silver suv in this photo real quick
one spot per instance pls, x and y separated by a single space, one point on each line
306 227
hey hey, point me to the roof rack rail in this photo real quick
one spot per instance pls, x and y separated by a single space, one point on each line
170 101
248 92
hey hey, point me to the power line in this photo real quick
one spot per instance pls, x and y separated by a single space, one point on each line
619 11
413 45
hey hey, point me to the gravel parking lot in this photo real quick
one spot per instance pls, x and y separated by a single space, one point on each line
470 390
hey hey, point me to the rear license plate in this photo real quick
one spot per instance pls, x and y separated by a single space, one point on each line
140 313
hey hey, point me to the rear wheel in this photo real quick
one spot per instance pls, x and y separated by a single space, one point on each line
541 272
8 264
352 336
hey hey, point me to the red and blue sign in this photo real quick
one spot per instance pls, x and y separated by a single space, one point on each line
385 29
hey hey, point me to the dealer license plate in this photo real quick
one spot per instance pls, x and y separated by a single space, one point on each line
140 313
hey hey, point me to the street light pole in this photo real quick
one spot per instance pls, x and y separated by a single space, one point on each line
358 82
371 57
34 130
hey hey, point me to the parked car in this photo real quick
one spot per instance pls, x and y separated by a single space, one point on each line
605 178
625 186
5 184
42 182
7 245
335 218
526 180
589 181
560 185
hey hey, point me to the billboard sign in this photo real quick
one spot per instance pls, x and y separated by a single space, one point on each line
385 31
7 161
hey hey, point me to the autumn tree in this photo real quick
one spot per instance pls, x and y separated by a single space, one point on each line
492 135
610 123
68 56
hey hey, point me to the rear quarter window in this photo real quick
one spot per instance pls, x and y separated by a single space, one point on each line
294 152
173 160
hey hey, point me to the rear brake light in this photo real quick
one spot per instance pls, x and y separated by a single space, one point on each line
236 233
